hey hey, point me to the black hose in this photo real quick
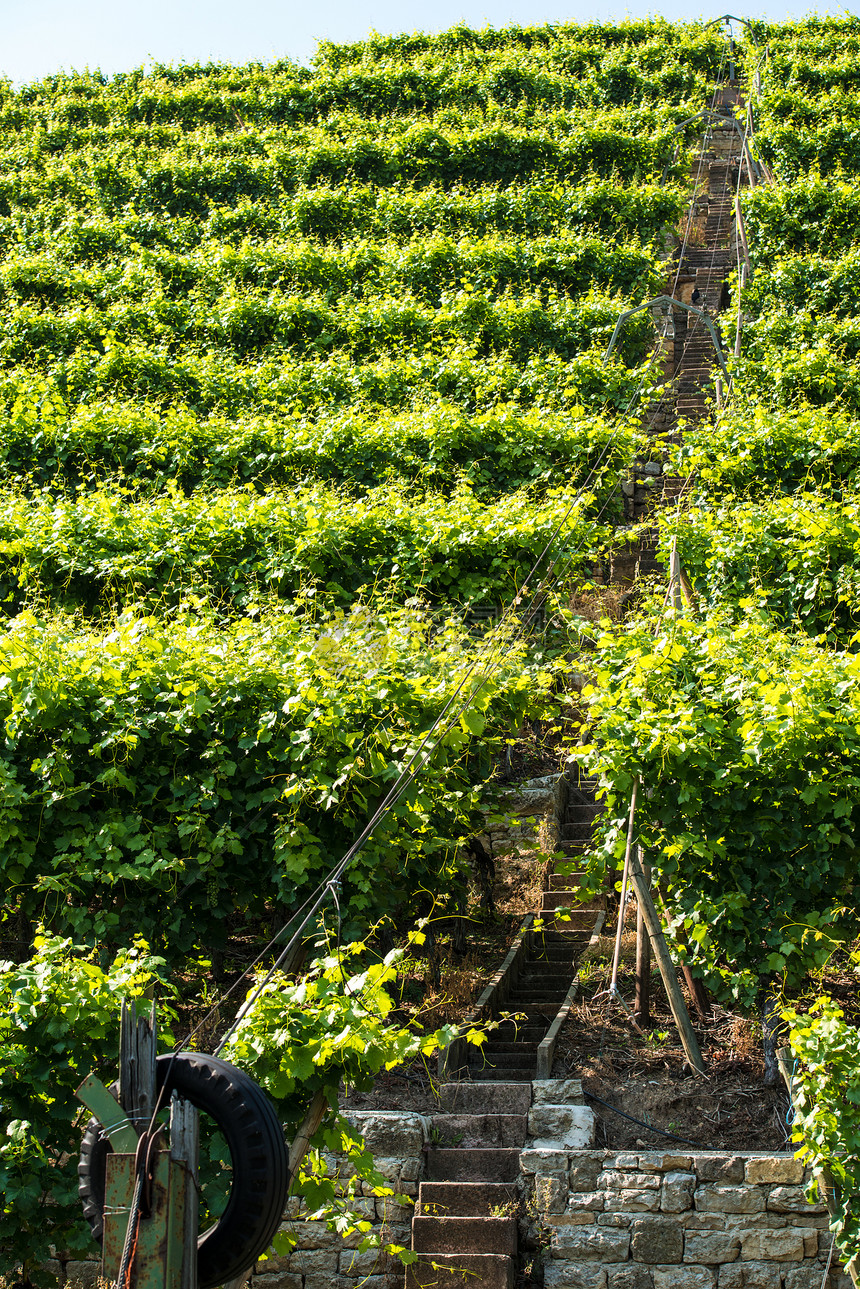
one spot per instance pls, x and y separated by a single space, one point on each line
641 1122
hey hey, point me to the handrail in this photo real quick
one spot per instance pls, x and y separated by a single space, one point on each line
677 304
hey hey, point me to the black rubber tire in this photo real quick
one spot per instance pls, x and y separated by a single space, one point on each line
258 1152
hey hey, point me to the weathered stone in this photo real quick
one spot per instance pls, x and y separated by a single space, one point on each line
614 1219
626 1162
656 1240
750 1275
634 1201
316 1262
773 1246
393 1133
708 1221
550 1194
729 1199
556 1091
584 1171
591 1244
807 1276
775 1168
792 1199
371 1262
711 1247
82 1275
277 1280
561 1125
391 1166
619 1181
683 1278
718 1168
410 1169
579 1201
810 1243
543 1161
626 1276
677 1194
654 1162
566 1275
747 1221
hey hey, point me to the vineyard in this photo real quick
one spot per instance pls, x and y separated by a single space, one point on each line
312 460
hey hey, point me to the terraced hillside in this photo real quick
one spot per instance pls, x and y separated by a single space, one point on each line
299 367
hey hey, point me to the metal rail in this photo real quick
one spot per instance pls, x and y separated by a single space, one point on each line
676 304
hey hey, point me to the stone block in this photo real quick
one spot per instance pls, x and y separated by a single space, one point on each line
567 1275
729 1199
633 1201
543 1161
591 1244
614 1219
626 1162
561 1125
317 1262
709 1221
773 1246
711 1247
750 1275
627 1276
747 1221
792 1199
683 1278
392 1133
580 1201
619 1181
584 1171
656 1162
550 1194
810 1242
806 1276
677 1194
371 1262
276 1280
82 1275
718 1168
775 1168
391 1167
410 1169
656 1240
556 1091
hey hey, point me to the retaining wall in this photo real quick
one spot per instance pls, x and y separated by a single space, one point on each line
653 1220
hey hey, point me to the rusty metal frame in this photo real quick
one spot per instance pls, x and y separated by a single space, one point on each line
675 304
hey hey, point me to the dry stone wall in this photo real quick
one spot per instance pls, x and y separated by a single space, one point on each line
652 1220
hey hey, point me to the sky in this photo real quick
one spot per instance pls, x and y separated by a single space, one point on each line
43 36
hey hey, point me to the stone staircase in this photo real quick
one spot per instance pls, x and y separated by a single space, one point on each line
465 1228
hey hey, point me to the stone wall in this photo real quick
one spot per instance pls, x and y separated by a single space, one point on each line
605 1220
526 811
323 1259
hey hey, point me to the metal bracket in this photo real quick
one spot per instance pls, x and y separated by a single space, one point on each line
110 1114
676 304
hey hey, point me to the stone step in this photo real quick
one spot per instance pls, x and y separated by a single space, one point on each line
467 1199
461 1271
473 1165
509 1031
456 1234
520 1074
482 1129
493 1060
561 898
475 1098
561 881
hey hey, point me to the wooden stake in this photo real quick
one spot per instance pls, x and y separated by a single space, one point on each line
137 1064
667 969
185 1151
642 1006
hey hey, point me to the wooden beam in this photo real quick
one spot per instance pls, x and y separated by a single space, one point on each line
642 1006
667 968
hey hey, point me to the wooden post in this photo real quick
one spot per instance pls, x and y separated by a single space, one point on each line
185 1152
137 1064
642 1006
667 969
675 577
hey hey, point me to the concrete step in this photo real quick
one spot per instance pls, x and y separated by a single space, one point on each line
461 1271
482 1129
493 1098
466 1199
473 1165
456 1234
492 1059
560 898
